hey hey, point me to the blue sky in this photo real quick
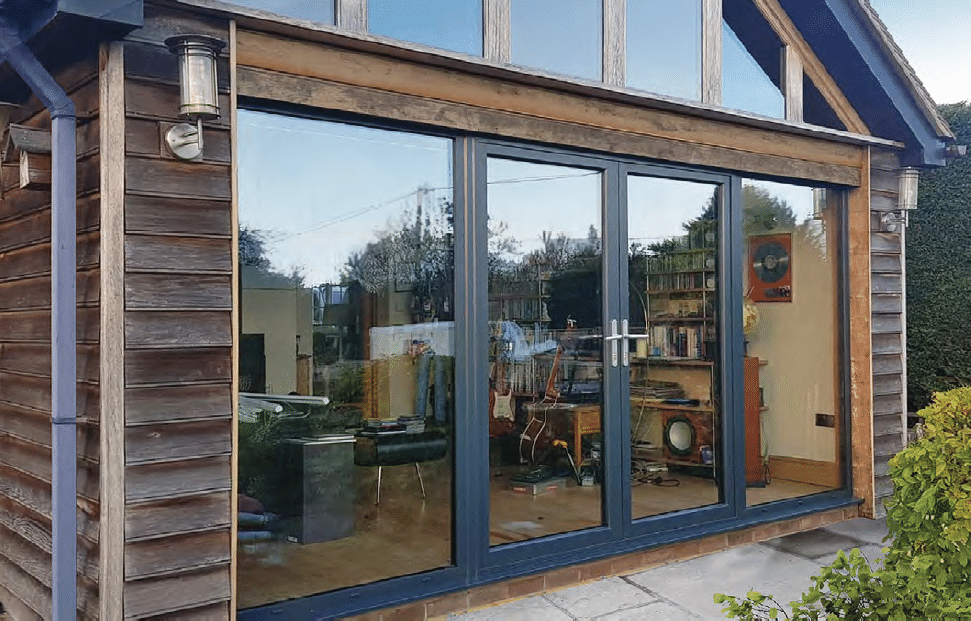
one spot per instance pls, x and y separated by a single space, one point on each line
935 36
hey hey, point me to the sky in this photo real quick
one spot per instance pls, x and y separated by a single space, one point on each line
934 35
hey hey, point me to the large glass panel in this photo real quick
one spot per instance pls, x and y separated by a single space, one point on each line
346 356
675 409
313 10
791 324
664 47
561 36
751 70
449 24
546 371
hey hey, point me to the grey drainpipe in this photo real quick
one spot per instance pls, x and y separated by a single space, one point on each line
63 317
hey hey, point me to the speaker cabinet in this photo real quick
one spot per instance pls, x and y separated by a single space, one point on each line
685 433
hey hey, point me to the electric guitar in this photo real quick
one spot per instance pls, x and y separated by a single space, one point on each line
501 415
533 435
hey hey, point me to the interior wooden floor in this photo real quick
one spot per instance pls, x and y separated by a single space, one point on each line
406 534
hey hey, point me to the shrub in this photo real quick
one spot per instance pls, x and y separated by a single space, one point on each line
926 573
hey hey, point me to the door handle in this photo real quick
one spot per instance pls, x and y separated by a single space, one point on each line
613 338
624 336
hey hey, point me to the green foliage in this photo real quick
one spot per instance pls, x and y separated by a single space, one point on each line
939 274
926 573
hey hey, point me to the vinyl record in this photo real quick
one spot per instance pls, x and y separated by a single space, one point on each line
770 261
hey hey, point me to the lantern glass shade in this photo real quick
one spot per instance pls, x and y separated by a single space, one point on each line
907 188
197 74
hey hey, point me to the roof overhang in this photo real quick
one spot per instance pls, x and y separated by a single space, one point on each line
858 52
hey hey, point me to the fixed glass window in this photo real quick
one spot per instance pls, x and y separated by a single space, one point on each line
312 10
751 61
449 24
793 428
664 47
559 36
346 363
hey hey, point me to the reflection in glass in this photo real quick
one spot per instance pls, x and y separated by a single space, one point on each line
313 10
449 24
745 85
560 36
674 400
792 407
346 356
664 47
546 369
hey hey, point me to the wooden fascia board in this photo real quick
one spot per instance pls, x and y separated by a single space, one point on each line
790 36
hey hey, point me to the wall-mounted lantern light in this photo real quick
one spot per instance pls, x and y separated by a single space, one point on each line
908 180
199 91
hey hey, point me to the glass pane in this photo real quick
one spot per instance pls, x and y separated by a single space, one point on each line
792 382
561 36
545 321
346 358
664 47
745 85
676 446
313 10
449 24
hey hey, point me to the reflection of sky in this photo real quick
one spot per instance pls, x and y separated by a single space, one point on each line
561 36
450 24
744 85
312 10
657 209
664 47
531 198
799 198
319 191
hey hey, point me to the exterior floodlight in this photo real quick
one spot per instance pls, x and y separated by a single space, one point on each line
198 89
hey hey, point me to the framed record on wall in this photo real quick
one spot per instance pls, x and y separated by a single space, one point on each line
770 268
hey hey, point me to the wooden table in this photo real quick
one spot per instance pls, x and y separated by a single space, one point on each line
581 418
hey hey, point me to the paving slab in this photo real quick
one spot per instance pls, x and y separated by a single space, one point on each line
588 601
813 544
658 611
864 529
529 609
691 584
871 552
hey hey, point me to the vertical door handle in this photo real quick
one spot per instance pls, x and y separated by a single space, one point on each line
613 339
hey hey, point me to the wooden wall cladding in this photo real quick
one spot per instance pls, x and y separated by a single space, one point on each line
25 365
177 255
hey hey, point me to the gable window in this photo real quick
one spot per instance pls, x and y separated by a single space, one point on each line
454 25
560 36
745 85
664 47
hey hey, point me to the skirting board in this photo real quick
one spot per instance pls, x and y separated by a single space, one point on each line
823 473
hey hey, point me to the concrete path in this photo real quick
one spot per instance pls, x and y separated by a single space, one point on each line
680 591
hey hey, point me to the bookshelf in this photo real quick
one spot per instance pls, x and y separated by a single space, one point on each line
681 303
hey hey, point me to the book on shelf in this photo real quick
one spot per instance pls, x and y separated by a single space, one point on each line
677 342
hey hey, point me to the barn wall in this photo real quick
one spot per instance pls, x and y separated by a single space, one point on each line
25 363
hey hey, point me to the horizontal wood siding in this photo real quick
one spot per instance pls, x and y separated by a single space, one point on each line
178 340
25 364
889 347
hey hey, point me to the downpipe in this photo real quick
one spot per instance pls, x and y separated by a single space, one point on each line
63 317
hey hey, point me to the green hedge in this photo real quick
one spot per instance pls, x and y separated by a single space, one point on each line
939 275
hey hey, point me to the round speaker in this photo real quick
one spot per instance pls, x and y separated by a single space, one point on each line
679 435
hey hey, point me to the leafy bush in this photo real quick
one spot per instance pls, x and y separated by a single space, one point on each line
926 573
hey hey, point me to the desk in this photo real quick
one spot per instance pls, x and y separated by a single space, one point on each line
580 418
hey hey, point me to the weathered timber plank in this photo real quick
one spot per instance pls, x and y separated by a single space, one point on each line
144 598
178 515
214 612
882 202
35 293
153 61
35 427
319 93
298 58
885 242
176 178
178 254
152 405
147 214
887 344
888 303
168 330
25 588
35 358
178 291
16 609
887 385
146 138
881 466
161 101
882 180
884 446
886 263
35 226
33 528
177 366
888 424
35 460
886 283
161 23
884 488
886 364
887 404
887 160
153 481
34 392
36 260
884 324
178 440
36 561
35 325
154 556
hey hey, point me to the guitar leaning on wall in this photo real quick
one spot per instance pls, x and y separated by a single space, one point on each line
501 416
533 435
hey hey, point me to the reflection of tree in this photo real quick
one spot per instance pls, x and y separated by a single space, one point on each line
253 254
765 213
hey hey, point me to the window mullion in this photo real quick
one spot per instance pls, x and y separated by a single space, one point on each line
711 52
614 41
792 80
497 38
352 15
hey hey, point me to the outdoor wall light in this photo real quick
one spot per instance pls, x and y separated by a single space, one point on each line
907 184
199 91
